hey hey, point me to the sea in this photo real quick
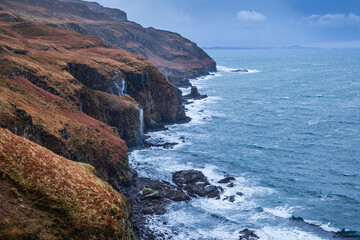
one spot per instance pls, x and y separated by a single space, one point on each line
288 130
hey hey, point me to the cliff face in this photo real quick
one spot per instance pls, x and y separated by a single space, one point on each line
86 70
45 196
67 92
178 58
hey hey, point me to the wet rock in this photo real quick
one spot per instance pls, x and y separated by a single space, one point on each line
194 94
247 234
154 196
230 185
229 198
167 145
240 194
240 70
227 180
150 194
195 184
212 191
188 176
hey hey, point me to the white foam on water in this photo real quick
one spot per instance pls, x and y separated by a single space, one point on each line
324 226
233 70
312 122
283 233
183 223
225 69
281 212
184 227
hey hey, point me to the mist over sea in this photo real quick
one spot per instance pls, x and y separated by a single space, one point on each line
288 131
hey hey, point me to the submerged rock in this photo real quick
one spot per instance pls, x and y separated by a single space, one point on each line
240 70
247 234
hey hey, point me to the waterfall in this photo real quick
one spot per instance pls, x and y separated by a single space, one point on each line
120 86
123 87
141 125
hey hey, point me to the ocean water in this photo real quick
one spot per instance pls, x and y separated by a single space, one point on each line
289 131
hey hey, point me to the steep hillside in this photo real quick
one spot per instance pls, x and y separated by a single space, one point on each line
64 90
90 73
177 57
45 196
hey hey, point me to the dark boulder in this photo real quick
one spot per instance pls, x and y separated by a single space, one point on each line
195 184
229 198
247 234
227 180
240 194
189 176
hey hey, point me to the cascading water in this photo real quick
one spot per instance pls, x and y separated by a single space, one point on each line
123 87
120 85
141 125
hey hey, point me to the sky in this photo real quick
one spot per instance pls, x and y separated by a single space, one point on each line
251 23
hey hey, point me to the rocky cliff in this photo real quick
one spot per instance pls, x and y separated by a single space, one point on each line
86 100
45 196
178 58
79 96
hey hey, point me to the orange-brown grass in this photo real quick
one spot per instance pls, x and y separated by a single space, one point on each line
50 50
169 51
54 113
89 207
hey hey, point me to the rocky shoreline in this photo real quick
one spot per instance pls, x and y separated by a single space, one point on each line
151 197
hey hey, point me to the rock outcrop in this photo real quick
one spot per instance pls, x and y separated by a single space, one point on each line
195 184
194 94
172 54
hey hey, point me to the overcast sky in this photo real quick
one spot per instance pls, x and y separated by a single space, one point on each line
236 23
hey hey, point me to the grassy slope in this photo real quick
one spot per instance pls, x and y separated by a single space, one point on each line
170 52
51 50
70 199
